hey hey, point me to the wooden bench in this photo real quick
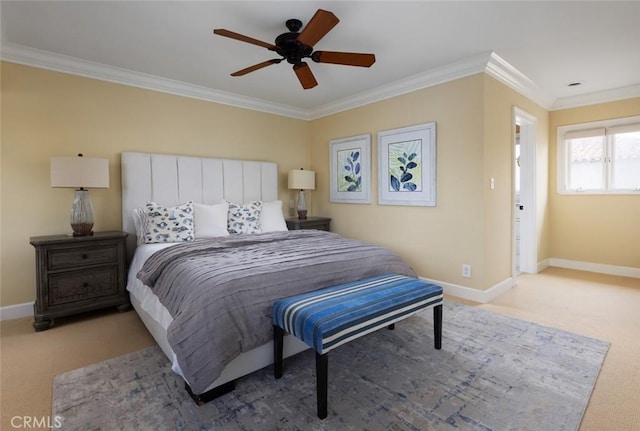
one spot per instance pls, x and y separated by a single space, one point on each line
327 318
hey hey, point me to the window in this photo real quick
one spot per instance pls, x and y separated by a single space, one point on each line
601 157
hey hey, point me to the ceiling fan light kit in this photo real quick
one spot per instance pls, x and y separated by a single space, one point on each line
294 46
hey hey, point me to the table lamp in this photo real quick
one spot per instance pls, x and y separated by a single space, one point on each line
80 173
302 180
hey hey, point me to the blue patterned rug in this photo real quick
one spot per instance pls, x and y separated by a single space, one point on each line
493 373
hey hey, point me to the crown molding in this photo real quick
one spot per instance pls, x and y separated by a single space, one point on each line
61 63
597 97
430 78
504 72
487 62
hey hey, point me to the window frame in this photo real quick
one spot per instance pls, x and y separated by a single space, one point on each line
562 168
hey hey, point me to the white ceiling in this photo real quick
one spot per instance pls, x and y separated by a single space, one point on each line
536 47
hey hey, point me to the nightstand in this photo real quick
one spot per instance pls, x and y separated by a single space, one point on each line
75 274
319 223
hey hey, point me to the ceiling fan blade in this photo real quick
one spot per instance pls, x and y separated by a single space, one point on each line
256 67
346 58
305 76
243 38
319 25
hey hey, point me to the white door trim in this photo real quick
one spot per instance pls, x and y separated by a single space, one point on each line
528 241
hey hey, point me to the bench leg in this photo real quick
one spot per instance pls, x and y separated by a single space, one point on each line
278 341
322 369
437 326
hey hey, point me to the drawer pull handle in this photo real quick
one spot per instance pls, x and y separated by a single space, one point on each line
85 255
85 284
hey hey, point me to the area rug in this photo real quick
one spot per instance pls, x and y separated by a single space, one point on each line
493 373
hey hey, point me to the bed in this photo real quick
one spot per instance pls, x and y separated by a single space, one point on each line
175 179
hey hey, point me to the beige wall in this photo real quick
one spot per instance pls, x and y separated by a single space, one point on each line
601 229
48 114
470 225
1 260
435 241
499 103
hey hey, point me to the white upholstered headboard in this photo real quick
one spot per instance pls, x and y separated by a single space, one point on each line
174 179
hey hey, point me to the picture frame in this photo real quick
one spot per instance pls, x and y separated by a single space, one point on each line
407 166
350 170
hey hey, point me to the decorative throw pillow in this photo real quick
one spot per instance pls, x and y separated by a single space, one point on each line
169 224
271 218
244 218
210 221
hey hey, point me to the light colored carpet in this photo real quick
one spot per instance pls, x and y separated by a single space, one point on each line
493 373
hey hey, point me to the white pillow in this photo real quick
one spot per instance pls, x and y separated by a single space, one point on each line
271 218
168 224
140 223
210 221
244 218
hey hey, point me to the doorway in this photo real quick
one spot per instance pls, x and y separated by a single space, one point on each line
525 247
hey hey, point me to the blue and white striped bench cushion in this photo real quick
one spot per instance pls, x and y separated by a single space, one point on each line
327 318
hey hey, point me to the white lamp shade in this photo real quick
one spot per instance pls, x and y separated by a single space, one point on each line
302 180
77 172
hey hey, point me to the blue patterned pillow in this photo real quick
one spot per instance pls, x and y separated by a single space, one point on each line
244 218
168 224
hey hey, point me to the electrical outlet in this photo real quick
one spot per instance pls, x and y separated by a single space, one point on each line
466 271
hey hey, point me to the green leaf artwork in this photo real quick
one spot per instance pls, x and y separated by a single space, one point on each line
349 171
405 166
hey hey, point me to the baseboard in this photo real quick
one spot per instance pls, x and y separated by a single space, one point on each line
17 311
624 271
475 295
542 265
482 296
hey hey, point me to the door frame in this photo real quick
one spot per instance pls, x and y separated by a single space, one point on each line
528 231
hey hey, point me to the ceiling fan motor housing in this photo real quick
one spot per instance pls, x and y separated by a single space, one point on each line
288 46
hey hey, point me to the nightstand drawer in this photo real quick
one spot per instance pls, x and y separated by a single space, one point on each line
71 257
74 286
318 223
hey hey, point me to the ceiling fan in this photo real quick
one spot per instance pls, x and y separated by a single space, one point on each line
295 46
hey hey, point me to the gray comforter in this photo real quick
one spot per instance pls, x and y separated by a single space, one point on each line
220 291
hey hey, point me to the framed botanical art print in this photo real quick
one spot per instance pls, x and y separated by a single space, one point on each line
407 166
350 165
